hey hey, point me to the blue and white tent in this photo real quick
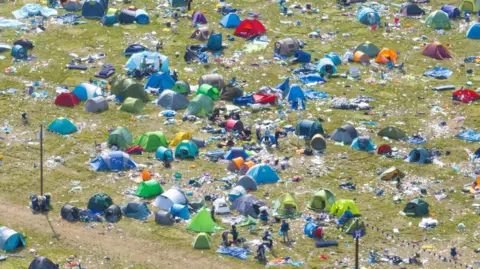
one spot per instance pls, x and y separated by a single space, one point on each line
10 240
363 143
86 91
158 61
113 161
296 97
368 16
230 20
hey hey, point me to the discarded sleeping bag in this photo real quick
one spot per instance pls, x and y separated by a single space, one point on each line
438 73
326 243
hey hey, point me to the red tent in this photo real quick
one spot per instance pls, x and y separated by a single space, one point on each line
385 149
264 98
437 51
465 95
67 99
233 125
247 28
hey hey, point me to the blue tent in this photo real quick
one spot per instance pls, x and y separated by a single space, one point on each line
10 240
158 61
236 152
126 16
296 97
230 20
302 56
164 154
215 42
326 66
136 210
263 174
162 81
368 16
94 9
284 86
474 31
420 156
62 126
181 211
309 228
363 143
85 91
452 11
334 57
141 17
113 161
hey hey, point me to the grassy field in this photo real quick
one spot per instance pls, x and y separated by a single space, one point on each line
405 101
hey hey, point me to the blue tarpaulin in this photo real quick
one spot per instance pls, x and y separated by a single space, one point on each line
236 252
469 135
417 140
7 23
30 10
438 73
315 95
311 78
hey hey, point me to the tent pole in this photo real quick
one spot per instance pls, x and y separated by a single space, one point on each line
41 159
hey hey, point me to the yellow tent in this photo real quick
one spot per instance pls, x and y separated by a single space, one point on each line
340 206
386 55
179 137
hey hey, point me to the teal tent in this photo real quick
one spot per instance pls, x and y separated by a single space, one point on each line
368 16
186 149
308 128
10 240
120 138
164 154
62 126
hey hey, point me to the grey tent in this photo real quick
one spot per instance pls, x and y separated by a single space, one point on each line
171 100
201 34
215 80
164 218
230 92
96 105
248 205
167 199
346 134
287 47
247 182
70 213
113 213
42 263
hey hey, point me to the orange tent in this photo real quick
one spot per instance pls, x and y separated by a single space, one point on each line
146 175
239 161
385 56
360 57
476 186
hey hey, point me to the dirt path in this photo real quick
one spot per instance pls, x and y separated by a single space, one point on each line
120 247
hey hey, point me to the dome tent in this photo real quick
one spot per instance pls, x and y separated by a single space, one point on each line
345 134
120 137
437 51
113 161
96 105
113 213
124 87
94 9
221 207
368 16
287 47
40 262
158 61
420 156
474 31
392 133
233 125
200 105
149 188
340 206
150 141
181 87
202 241
186 149
99 202
438 20
136 210
164 154
62 126
132 105
368 48
248 28
363 143
209 91
172 196
10 240
452 11
386 55
67 99
86 91
416 207
308 128
321 200
231 20
171 100
263 174
237 192
286 206
180 211
161 81
248 205
235 152
470 6
411 9
247 182
326 67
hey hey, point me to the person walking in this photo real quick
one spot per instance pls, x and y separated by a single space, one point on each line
284 229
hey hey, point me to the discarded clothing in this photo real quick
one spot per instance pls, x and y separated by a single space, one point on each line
315 95
348 186
306 69
7 23
237 252
344 103
168 113
30 10
89 216
68 18
107 71
428 223
311 78
417 140
438 73
469 135
282 261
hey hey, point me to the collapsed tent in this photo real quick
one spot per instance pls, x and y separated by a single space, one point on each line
132 105
248 205
149 188
296 97
171 100
420 156
71 5
67 99
136 210
186 150
286 206
438 20
113 161
172 196
233 125
321 200
199 17
86 91
150 141
10 240
179 137
385 56
231 20
363 143
248 28
369 49
416 207
221 207
345 134
465 96
437 51
340 206
368 16
237 192
230 92
40 262
392 173
202 222
263 174
200 105
62 126
120 137
308 128
96 105
392 133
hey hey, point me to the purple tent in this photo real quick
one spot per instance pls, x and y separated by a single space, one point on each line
198 17
451 11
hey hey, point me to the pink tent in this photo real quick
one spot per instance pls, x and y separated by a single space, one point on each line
437 51
233 125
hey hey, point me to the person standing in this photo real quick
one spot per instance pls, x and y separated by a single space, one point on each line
212 214
234 233
284 229
189 4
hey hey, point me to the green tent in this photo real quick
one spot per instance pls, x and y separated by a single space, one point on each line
438 20
149 188
392 133
200 105
181 87
340 206
247 222
469 6
99 202
120 137
286 206
368 48
417 207
202 222
353 224
209 91
126 87
186 149
132 105
151 141
321 200
202 241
